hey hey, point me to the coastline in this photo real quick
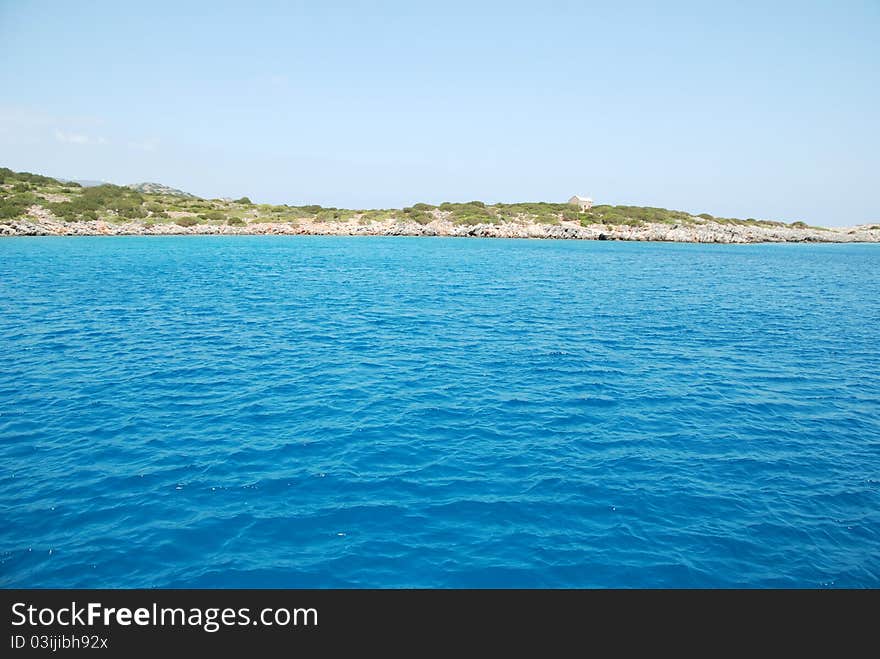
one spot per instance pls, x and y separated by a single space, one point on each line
43 224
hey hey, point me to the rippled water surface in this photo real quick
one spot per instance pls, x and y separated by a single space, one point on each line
323 412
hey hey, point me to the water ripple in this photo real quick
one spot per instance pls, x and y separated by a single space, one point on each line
319 412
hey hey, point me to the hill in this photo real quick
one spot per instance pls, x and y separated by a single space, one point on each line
31 204
84 182
158 188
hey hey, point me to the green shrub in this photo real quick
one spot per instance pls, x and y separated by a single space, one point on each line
10 208
244 200
26 198
799 225
235 221
420 217
197 206
63 209
328 215
216 216
7 175
706 216
131 212
418 214
470 213
186 221
636 215
123 201
379 215
36 179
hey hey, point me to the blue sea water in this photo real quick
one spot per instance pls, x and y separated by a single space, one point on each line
398 412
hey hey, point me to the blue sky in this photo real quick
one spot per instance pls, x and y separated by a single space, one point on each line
745 109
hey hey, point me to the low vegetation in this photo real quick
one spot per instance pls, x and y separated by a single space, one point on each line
152 204
13 206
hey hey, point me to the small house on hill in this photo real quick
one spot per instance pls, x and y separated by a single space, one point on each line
583 203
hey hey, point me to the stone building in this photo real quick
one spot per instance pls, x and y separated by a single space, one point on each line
583 203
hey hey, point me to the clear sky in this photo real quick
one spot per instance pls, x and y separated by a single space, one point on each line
743 109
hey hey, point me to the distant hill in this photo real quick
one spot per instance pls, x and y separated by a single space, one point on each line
86 183
158 188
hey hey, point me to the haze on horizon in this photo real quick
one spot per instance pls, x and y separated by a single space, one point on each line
738 109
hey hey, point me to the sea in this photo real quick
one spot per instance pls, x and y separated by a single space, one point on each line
363 412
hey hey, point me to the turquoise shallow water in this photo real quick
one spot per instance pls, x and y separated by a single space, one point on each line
317 412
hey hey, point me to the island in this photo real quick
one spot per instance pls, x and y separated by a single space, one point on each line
36 205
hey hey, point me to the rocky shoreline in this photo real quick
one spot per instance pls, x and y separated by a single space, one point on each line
38 223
